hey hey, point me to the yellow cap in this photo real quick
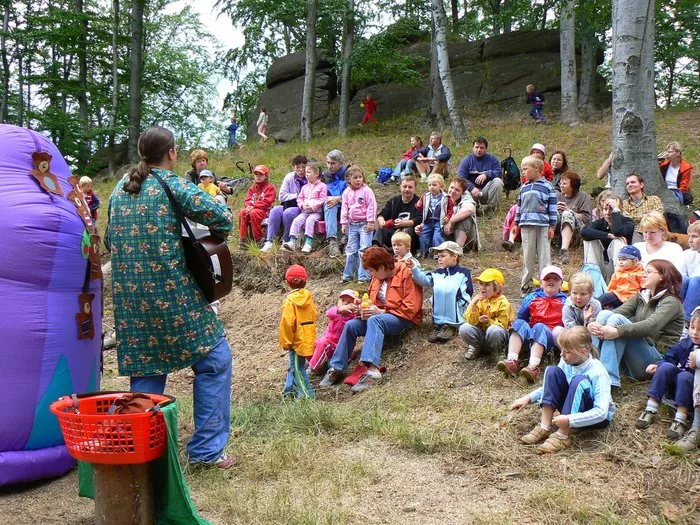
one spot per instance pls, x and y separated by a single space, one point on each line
490 275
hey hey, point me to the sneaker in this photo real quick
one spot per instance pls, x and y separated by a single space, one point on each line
646 418
433 336
267 247
306 248
536 435
564 256
290 245
530 373
333 250
510 368
345 280
508 246
677 429
553 445
524 291
366 380
472 352
690 440
331 378
444 334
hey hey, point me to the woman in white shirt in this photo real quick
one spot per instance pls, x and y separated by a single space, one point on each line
654 246
262 124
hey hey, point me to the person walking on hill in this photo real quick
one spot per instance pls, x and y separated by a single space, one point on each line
232 128
370 106
262 125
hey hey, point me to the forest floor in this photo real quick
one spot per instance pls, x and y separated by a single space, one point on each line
435 443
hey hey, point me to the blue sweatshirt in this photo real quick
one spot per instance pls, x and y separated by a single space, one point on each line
472 166
537 204
452 291
335 182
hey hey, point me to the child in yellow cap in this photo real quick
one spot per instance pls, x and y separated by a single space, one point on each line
488 316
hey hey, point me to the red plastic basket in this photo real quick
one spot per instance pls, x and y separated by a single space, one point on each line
93 435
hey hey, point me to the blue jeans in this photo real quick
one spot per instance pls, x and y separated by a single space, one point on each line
631 355
401 168
430 235
212 402
674 381
539 333
374 329
330 216
359 239
690 292
297 382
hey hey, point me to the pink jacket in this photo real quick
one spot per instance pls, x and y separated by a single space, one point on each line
313 194
509 221
336 323
358 205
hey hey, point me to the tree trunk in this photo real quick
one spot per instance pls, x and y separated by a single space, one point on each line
567 52
455 16
545 8
136 64
585 94
307 102
466 20
633 119
458 129
115 86
5 63
29 53
435 108
348 35
507 18
20 82
669 87
83 145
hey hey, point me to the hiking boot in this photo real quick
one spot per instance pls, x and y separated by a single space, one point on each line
536 435
677 429
564 256
472 352
444 334
366 380
331 378
508 246
690 440
524 291
433 336
553 445
530 373
267 247
333 249
290 245
306 248
509 367
645 420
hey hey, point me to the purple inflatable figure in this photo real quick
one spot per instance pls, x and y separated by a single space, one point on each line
50 305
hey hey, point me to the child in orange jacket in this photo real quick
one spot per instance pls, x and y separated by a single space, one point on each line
256 207
627 279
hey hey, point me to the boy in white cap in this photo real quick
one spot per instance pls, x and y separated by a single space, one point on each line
452 289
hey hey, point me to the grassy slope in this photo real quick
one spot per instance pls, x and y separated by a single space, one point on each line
435 443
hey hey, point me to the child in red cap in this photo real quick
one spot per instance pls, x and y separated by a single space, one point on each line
256 207
298 332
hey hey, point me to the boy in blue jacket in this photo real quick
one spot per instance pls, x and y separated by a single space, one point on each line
452 290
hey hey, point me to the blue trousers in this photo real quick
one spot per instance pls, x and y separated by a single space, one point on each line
297 382
573 397
536 113
690 292
212 402
539 333
359 239
373 329
330 217
430 235
671 380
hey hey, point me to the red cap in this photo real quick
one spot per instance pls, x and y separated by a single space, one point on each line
296 274
261 168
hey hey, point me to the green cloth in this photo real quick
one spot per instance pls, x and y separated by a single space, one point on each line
173 502
162 320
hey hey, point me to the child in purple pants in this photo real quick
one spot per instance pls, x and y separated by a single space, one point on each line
310 201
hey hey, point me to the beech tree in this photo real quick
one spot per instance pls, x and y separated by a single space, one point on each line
136 66
567 53
307 103
348 36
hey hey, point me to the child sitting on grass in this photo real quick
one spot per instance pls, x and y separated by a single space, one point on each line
338 315
358 210
298 332
310 200
627 279
537 325
437 209
401 246
579 388
452 290
691 440
580 307
489 316
673 376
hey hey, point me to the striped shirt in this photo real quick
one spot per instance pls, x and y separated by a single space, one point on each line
537 204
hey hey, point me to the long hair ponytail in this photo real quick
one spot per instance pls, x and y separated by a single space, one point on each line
154 144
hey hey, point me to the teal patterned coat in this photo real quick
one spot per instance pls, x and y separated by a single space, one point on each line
162 320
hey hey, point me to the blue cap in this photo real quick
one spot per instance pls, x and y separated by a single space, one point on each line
629 252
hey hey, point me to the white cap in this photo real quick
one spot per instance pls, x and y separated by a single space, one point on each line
538 147
348 292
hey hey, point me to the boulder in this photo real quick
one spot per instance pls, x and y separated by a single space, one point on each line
519 43
294 65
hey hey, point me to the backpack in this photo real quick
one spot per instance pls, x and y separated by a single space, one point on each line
511 173
384 175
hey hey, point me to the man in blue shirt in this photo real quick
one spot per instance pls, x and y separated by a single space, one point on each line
334 178
233 127
482 171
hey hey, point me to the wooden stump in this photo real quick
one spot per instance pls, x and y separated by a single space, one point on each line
124 495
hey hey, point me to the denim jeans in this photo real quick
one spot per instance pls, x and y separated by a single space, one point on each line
297 381
629 355
690 292
148 384
330 216
359 239
374 329
401 168
430 235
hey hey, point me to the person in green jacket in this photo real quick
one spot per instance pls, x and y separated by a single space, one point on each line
636 334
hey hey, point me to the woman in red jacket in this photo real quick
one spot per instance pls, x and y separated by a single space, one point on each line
677 173
256 207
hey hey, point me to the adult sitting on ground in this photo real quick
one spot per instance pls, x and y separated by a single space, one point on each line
603 238
638 204
655 245
560 165
677 173
636 334
402 168
281 216
482 172
462 227
334 178
432 158
396 304
573 211
399 214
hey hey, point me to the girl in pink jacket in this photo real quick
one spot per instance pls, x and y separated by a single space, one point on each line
338 315
310 200
357 219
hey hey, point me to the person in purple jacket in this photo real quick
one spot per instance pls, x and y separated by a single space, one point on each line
287 210
482 171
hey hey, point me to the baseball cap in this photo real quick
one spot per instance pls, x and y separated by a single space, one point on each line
630 252
491 275
261 168
295 274
537 146
206 173
450 246
348 292
548 270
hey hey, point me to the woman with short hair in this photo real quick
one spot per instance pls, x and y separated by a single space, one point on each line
655 246
573 211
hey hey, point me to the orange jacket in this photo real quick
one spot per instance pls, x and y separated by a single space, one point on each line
625 284
685 174
404 298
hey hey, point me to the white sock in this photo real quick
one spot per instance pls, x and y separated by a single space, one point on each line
560 435
681 418
652 406
512 356
546 427
535 361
